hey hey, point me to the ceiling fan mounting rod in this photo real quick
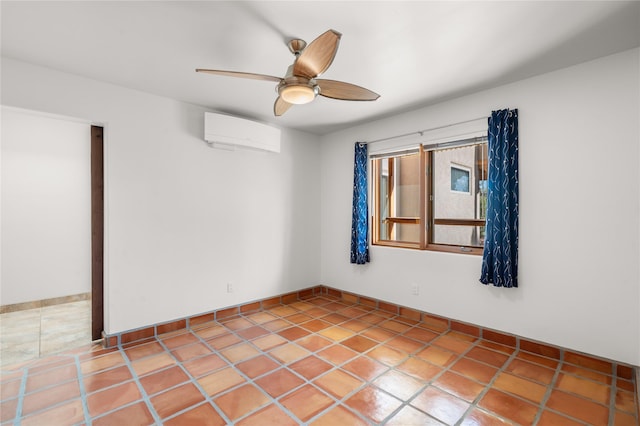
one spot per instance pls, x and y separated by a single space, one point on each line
296 46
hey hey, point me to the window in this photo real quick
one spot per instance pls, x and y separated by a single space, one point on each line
460 179
432 198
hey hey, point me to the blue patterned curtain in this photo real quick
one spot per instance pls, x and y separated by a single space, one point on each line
360 210
500 257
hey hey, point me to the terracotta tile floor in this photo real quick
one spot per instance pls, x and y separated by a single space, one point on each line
315 362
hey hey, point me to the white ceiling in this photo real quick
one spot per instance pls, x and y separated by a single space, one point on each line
411 53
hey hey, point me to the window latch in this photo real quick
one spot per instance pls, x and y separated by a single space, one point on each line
465 249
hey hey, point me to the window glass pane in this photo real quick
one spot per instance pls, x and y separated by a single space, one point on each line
459 235
407 232
459 182
459 192
408 186
385 166
459 179
384 207
399 197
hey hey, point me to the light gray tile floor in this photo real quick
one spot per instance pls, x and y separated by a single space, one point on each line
32 333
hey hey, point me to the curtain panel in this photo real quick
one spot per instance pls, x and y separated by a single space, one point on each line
500 257
360 209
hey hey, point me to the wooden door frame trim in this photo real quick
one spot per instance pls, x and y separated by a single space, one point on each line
97 232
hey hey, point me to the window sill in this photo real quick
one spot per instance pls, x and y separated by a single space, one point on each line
398 244
474 251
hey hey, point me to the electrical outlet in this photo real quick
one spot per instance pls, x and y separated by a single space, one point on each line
229 287
415 289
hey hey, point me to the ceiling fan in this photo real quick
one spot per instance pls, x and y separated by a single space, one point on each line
300 85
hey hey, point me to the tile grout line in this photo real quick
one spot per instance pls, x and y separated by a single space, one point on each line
21 394
83 393
192 380
249 380
136 380
426 383
337 402
335 367
306 381
488 386
612 394
553 385
112 386
338 367
550 387
430 382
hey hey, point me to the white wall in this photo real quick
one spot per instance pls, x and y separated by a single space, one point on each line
46 207
579 214
183 219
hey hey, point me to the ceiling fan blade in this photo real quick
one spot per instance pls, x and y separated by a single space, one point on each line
318 55
249 75
280 106
345 91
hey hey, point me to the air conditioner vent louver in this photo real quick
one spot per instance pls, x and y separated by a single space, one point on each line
228 132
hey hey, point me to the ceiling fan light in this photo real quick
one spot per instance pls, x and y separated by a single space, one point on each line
298 94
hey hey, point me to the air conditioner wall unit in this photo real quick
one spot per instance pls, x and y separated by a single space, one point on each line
228 132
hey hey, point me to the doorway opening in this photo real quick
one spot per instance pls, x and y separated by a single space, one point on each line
53 212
